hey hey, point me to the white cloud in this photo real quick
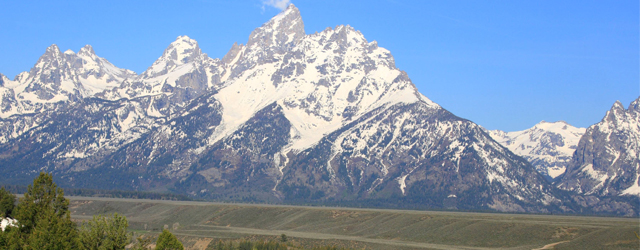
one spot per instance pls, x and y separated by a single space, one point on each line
279 4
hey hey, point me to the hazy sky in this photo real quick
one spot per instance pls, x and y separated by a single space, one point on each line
502 64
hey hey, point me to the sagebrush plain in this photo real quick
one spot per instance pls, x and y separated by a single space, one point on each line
199 223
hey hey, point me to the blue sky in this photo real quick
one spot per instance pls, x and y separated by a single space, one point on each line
502 64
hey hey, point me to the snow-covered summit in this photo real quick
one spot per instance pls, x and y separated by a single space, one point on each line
282 30
547 145
60 77
607 160
182 73
321 80
183 50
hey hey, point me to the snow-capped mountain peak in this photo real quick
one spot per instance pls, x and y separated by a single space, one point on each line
321 80
87 50
607 160
52 51
282 30
547 145
635 105
617 109
183 50
52 57
59 77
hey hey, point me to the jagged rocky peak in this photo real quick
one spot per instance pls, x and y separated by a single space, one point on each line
347 36
607 160
51 57
283 30
619 116
87 50
183 50
635 105
61 77
233 53
617 106
52 50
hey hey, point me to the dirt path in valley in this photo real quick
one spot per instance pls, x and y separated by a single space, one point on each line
550 246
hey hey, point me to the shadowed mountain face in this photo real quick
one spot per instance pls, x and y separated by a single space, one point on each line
289 117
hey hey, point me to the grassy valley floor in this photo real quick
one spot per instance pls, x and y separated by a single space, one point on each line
198 223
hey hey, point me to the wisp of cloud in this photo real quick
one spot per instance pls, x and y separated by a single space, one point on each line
280 4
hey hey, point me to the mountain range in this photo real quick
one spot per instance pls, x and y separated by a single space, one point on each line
298 118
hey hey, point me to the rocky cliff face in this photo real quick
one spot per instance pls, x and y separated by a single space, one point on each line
325 117
607 160
548 146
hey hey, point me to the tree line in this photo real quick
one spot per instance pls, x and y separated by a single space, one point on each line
127 194
261 245
41 220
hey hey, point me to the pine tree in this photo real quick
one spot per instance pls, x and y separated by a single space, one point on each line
168 241
105 233
7 203
44 218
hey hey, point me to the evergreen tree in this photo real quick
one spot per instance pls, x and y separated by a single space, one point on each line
44 218
105 233
9 239
7 203
168 241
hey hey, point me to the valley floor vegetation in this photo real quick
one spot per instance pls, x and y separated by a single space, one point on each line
261 245
41 220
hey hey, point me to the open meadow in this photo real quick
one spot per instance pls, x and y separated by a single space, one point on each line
198 223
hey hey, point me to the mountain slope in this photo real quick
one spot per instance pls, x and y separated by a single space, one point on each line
548 146
607 160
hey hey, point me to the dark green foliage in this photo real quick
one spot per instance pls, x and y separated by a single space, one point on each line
283 237
129 194
45 222
249 245
329 248
7 203
260 245
220 246
125 194
168 241
245 245
105 233
10 238
44 218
